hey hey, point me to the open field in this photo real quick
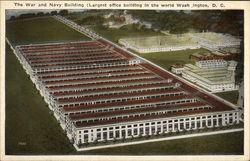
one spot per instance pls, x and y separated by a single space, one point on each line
30 128
40 30
231 96
114 34
167 59
160 41
78 16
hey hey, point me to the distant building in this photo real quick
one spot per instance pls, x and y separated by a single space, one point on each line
213 56
231 50
211 63
213 79
158 43
232 65
129 19
214 75
113 24
190 67
177 68
108 15
146 24
215 41
120 20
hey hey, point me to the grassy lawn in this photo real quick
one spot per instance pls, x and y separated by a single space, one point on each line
114 34
231 96
231 143
30 128
78 16
167 59
40 30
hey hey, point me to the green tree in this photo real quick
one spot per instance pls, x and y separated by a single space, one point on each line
53 13
40 14
63 12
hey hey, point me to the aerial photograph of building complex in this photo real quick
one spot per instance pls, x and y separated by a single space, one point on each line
124 82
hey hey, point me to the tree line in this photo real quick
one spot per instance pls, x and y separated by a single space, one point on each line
40 14
178 22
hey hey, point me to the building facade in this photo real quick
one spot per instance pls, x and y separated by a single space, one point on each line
177 68
156 49
130 129
215 63
215 80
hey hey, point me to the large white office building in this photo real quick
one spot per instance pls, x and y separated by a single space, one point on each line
99 91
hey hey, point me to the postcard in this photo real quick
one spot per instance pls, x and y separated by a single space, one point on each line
124 80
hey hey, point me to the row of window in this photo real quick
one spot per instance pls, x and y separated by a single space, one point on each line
163 48
73 60
139 84
92 63
214 117
108 109
36 70
105 76
147 113
144 78
97 76
67 57
147 129
91 71
67 52
121 92
138 97
61 45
